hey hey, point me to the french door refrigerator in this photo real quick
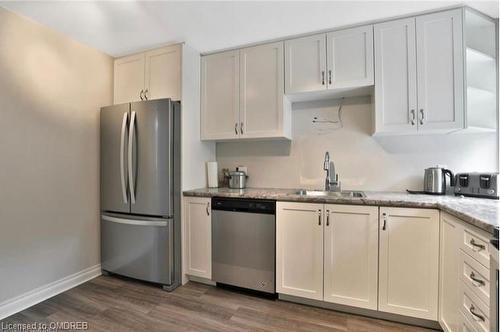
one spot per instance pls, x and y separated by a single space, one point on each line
140 191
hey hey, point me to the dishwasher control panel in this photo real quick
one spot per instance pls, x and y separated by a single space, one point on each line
244 205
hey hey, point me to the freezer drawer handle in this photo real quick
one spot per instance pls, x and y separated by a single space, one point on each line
122 166
131 182
135 222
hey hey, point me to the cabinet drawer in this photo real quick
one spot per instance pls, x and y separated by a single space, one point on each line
476 246
476 277
465 325
474 309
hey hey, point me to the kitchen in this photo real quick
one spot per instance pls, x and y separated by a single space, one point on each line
328 124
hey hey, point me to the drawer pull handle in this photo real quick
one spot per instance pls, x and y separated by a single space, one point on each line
477 245
472 311
473 278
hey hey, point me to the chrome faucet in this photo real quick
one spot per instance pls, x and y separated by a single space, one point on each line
329 167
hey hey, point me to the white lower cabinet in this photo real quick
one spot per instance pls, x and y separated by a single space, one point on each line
198 236
351 255
449 257
299 249
409 262
327 252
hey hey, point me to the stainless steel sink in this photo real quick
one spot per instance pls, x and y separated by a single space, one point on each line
321 193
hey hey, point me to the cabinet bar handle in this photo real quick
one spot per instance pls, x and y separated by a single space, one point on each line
236 128
384 216
322 77
319 217
330 77
146 94
241 127
472 311
421 116
208 209
477 245
328 217
412 120
140 94
473 278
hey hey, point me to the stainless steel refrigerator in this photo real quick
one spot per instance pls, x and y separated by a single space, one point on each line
140 191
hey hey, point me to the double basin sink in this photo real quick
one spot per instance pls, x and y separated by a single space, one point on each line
322 193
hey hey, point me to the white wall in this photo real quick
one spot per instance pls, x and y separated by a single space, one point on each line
363 162
195 153
51 89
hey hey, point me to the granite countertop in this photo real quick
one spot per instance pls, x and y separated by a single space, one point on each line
480 212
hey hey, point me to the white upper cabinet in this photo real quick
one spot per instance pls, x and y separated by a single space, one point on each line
220 95
305 64
338 62
409 261
351 262
420 82
395 76
151 75
163 73
129 78
440 71
261 91
299 249
350 57
242 94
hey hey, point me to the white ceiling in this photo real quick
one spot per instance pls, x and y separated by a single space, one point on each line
121 27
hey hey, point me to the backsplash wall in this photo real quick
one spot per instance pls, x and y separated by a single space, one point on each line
363 162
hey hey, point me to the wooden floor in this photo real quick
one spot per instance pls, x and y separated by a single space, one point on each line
111 304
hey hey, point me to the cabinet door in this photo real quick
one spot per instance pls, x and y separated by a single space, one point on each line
350 57
129 78
409 260
220 93
299 249
449 260
395 76
261 91
198 230
305 64
163 73
440 71
351 262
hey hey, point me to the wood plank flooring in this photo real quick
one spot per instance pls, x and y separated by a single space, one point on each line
108 303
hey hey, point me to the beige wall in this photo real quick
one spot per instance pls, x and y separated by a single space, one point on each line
51 89
364 162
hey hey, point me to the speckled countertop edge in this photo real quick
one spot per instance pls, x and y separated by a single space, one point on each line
482 213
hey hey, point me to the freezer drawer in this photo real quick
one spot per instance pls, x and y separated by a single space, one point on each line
138 248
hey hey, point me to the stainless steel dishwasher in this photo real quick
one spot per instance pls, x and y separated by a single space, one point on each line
243 243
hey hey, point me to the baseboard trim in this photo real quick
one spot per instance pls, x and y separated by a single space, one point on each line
430 324
37 295
201 280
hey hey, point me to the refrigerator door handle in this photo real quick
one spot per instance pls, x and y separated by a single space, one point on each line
131 182
135 221
122 166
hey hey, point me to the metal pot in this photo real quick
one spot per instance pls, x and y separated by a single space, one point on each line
237 180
